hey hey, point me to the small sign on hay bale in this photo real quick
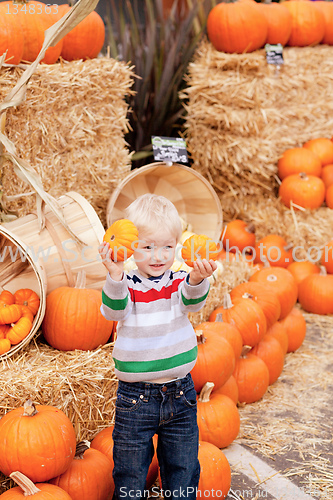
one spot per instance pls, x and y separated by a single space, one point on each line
243 114
71 129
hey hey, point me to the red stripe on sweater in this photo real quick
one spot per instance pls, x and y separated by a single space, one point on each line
152 295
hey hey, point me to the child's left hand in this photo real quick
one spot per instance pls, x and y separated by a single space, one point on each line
201 269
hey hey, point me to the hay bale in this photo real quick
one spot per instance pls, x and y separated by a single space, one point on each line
243 114
70 129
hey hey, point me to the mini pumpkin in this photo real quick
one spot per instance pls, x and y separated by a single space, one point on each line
5 345
270 351
302 190
323 148
6 297
27 297
19 330
199 246
252 377
327 172
239 235
297 160
9 313
121 236
316 293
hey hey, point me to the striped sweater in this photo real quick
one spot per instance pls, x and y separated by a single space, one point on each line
155 338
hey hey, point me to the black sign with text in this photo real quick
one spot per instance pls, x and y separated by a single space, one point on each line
169 149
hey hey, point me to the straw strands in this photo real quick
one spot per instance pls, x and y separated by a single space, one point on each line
244 113
70 129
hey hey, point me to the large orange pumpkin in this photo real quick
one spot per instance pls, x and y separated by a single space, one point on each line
237 27
273 249
215 472
279 332
316 293
38 440
308 24
327 10
252 377
270 351
73 319
89 475
11 38
238 235
279 22
301 269
216 359
26 488
283 283
246 315
86 40
295 326
230 389
218 417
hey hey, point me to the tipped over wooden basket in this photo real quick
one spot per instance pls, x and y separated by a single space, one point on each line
193 196
19 269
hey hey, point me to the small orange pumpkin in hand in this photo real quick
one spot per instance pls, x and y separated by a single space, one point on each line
199 246
121 236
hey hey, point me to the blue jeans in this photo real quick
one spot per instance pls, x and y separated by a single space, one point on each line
170 411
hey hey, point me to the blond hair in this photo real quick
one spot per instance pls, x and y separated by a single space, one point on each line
151 213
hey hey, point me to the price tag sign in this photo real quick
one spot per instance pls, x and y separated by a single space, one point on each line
169 149
274 54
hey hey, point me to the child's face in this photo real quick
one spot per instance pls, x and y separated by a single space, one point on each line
155 253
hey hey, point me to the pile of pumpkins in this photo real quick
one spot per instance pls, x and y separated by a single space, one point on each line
314 279
17 313
306 175
245 26
22 27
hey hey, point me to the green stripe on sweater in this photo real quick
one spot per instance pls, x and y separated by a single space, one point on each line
189 302
156 365
115 304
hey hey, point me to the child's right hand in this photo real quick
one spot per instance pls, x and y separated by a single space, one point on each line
115 269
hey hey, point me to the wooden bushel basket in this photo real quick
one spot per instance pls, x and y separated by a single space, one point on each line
54 248
18 269
195 199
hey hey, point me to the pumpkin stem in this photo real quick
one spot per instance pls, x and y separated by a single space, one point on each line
219 318
28 487
80 279
246 349
303 176
81 447
204 396
29 409
201 339
271 277
227 303
247 295
250 228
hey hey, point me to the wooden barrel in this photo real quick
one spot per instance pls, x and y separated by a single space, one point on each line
18 269
56 251
195 199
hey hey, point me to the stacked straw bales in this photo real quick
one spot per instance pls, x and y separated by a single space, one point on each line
243 114
71 129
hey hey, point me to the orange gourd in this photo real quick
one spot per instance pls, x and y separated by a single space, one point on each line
198 246
122 236
6 297
297 160
26 488
215 472
252 377
9 313
3 330
89 475
218 417
26 313
273 249
238 235
316 293
295 326
86 40
308 24
283 283
19 330
279 22
302 190
37 439
270 351
263 295
27 297
323 148
237 27
73 319
216 359
246 315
